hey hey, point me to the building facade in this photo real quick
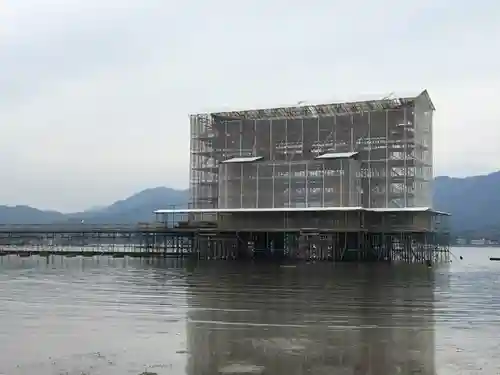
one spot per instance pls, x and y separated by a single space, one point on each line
367 154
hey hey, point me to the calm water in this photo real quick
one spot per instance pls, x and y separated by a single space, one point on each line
121 316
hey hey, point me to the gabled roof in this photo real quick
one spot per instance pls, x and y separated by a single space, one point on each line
364 102
426 95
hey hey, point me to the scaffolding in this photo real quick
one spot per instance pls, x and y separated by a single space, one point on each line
335 179
373 154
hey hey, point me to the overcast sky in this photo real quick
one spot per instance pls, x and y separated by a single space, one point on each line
95 94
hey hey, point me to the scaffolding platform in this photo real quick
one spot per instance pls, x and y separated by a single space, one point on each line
333 234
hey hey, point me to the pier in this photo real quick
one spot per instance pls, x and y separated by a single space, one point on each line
140 240
229 242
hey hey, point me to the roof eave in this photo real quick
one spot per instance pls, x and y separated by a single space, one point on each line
426 95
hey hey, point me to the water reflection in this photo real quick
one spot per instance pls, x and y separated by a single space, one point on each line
310 319
106 316
100 316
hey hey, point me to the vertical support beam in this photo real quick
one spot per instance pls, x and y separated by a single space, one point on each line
426 248
289 184
273 172
323 185
387 169
214 191
307 185
192 158
334 130
241 185
241 138
225 140
302 144
369 172
271 148
254 146
317 138
341 172
405 155
352 133
302 137
289 164
272 158
225 183
257 187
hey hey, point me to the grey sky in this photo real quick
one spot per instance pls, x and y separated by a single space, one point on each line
94 95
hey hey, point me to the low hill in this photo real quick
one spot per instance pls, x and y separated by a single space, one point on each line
138 207
26 214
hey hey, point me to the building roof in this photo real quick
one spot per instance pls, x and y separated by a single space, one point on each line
243 159
294 209
337 155
407 209
230 210
309 110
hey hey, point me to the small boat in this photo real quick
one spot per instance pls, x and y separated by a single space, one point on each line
495 258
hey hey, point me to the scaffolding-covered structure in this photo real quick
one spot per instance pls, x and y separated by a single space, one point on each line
372 154
319 179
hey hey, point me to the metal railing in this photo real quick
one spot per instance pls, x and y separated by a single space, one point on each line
79 227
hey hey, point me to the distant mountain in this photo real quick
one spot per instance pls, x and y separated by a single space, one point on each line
26 214
137 208
95 208
474 203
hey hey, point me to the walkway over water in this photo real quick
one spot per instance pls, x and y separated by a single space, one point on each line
90 228
334 244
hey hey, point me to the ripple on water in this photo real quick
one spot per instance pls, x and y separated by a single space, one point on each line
121 316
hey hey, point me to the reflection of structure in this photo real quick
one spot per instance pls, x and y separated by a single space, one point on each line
349 176
373 320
